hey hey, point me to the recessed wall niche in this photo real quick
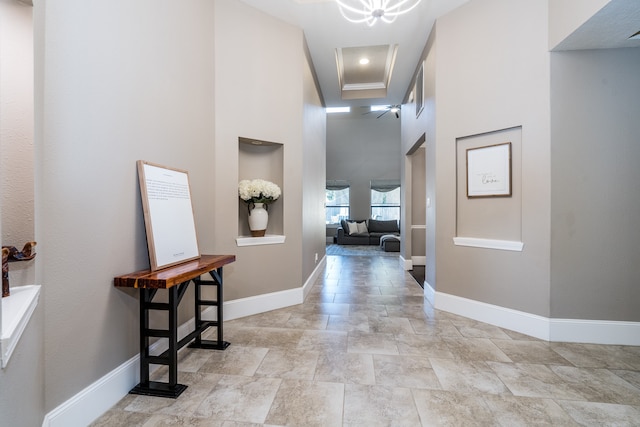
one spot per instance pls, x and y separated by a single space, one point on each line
17 175
490 218
258 159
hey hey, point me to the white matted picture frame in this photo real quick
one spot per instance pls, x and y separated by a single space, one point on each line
168 215
489 171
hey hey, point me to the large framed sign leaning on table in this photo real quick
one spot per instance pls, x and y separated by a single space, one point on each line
168 215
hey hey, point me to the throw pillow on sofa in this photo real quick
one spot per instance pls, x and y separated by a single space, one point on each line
353 228
383 226
356 227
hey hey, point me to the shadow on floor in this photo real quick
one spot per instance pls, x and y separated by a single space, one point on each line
418 273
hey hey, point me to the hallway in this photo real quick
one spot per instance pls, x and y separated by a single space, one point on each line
364 350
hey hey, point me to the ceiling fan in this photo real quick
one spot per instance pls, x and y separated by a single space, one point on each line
395 109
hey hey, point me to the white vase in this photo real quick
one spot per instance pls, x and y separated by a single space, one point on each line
258 219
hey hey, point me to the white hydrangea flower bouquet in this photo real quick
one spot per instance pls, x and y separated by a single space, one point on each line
258 191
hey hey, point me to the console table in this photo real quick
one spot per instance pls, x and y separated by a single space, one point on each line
175 280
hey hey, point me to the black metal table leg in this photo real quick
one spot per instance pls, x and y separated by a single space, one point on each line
173 337
170 357
201 325
145 297
218 277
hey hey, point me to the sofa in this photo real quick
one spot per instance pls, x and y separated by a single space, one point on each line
366 232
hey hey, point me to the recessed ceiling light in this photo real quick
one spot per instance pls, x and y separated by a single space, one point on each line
636 36
364 61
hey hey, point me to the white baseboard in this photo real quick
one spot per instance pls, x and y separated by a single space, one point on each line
429 293
595 331
317 272
519 321
548 329
244 307
249 306
407 264
93 401
96 399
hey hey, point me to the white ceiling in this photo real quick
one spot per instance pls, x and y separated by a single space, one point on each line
326 30
328 33
610 28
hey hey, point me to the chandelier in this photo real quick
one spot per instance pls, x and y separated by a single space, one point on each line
370 11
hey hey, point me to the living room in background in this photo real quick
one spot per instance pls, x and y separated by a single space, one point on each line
336 201
385 199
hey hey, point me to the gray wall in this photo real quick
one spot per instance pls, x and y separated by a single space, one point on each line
314 176
417 245
478 82
415 128
361 148
105 99
595 193
577 115
110 98
22 380
262 91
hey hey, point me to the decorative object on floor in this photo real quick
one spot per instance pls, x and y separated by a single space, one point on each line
257 194
11 253
370 11
390 243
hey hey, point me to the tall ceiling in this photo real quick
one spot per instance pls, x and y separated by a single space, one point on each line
395 49
330 36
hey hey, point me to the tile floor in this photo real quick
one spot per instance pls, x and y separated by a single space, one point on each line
365 350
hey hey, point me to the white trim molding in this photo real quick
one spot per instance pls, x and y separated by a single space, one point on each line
504 245
548 329
262 303
429 293
407 264
269 239
595 331
86 406
17 309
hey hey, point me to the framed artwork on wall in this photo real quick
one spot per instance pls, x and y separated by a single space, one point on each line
419 90
489 171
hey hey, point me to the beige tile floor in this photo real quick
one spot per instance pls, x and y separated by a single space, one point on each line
365 350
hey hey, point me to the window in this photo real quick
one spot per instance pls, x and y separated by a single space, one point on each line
336 202
385 200
331 110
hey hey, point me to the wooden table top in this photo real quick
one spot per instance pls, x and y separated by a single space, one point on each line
174 275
